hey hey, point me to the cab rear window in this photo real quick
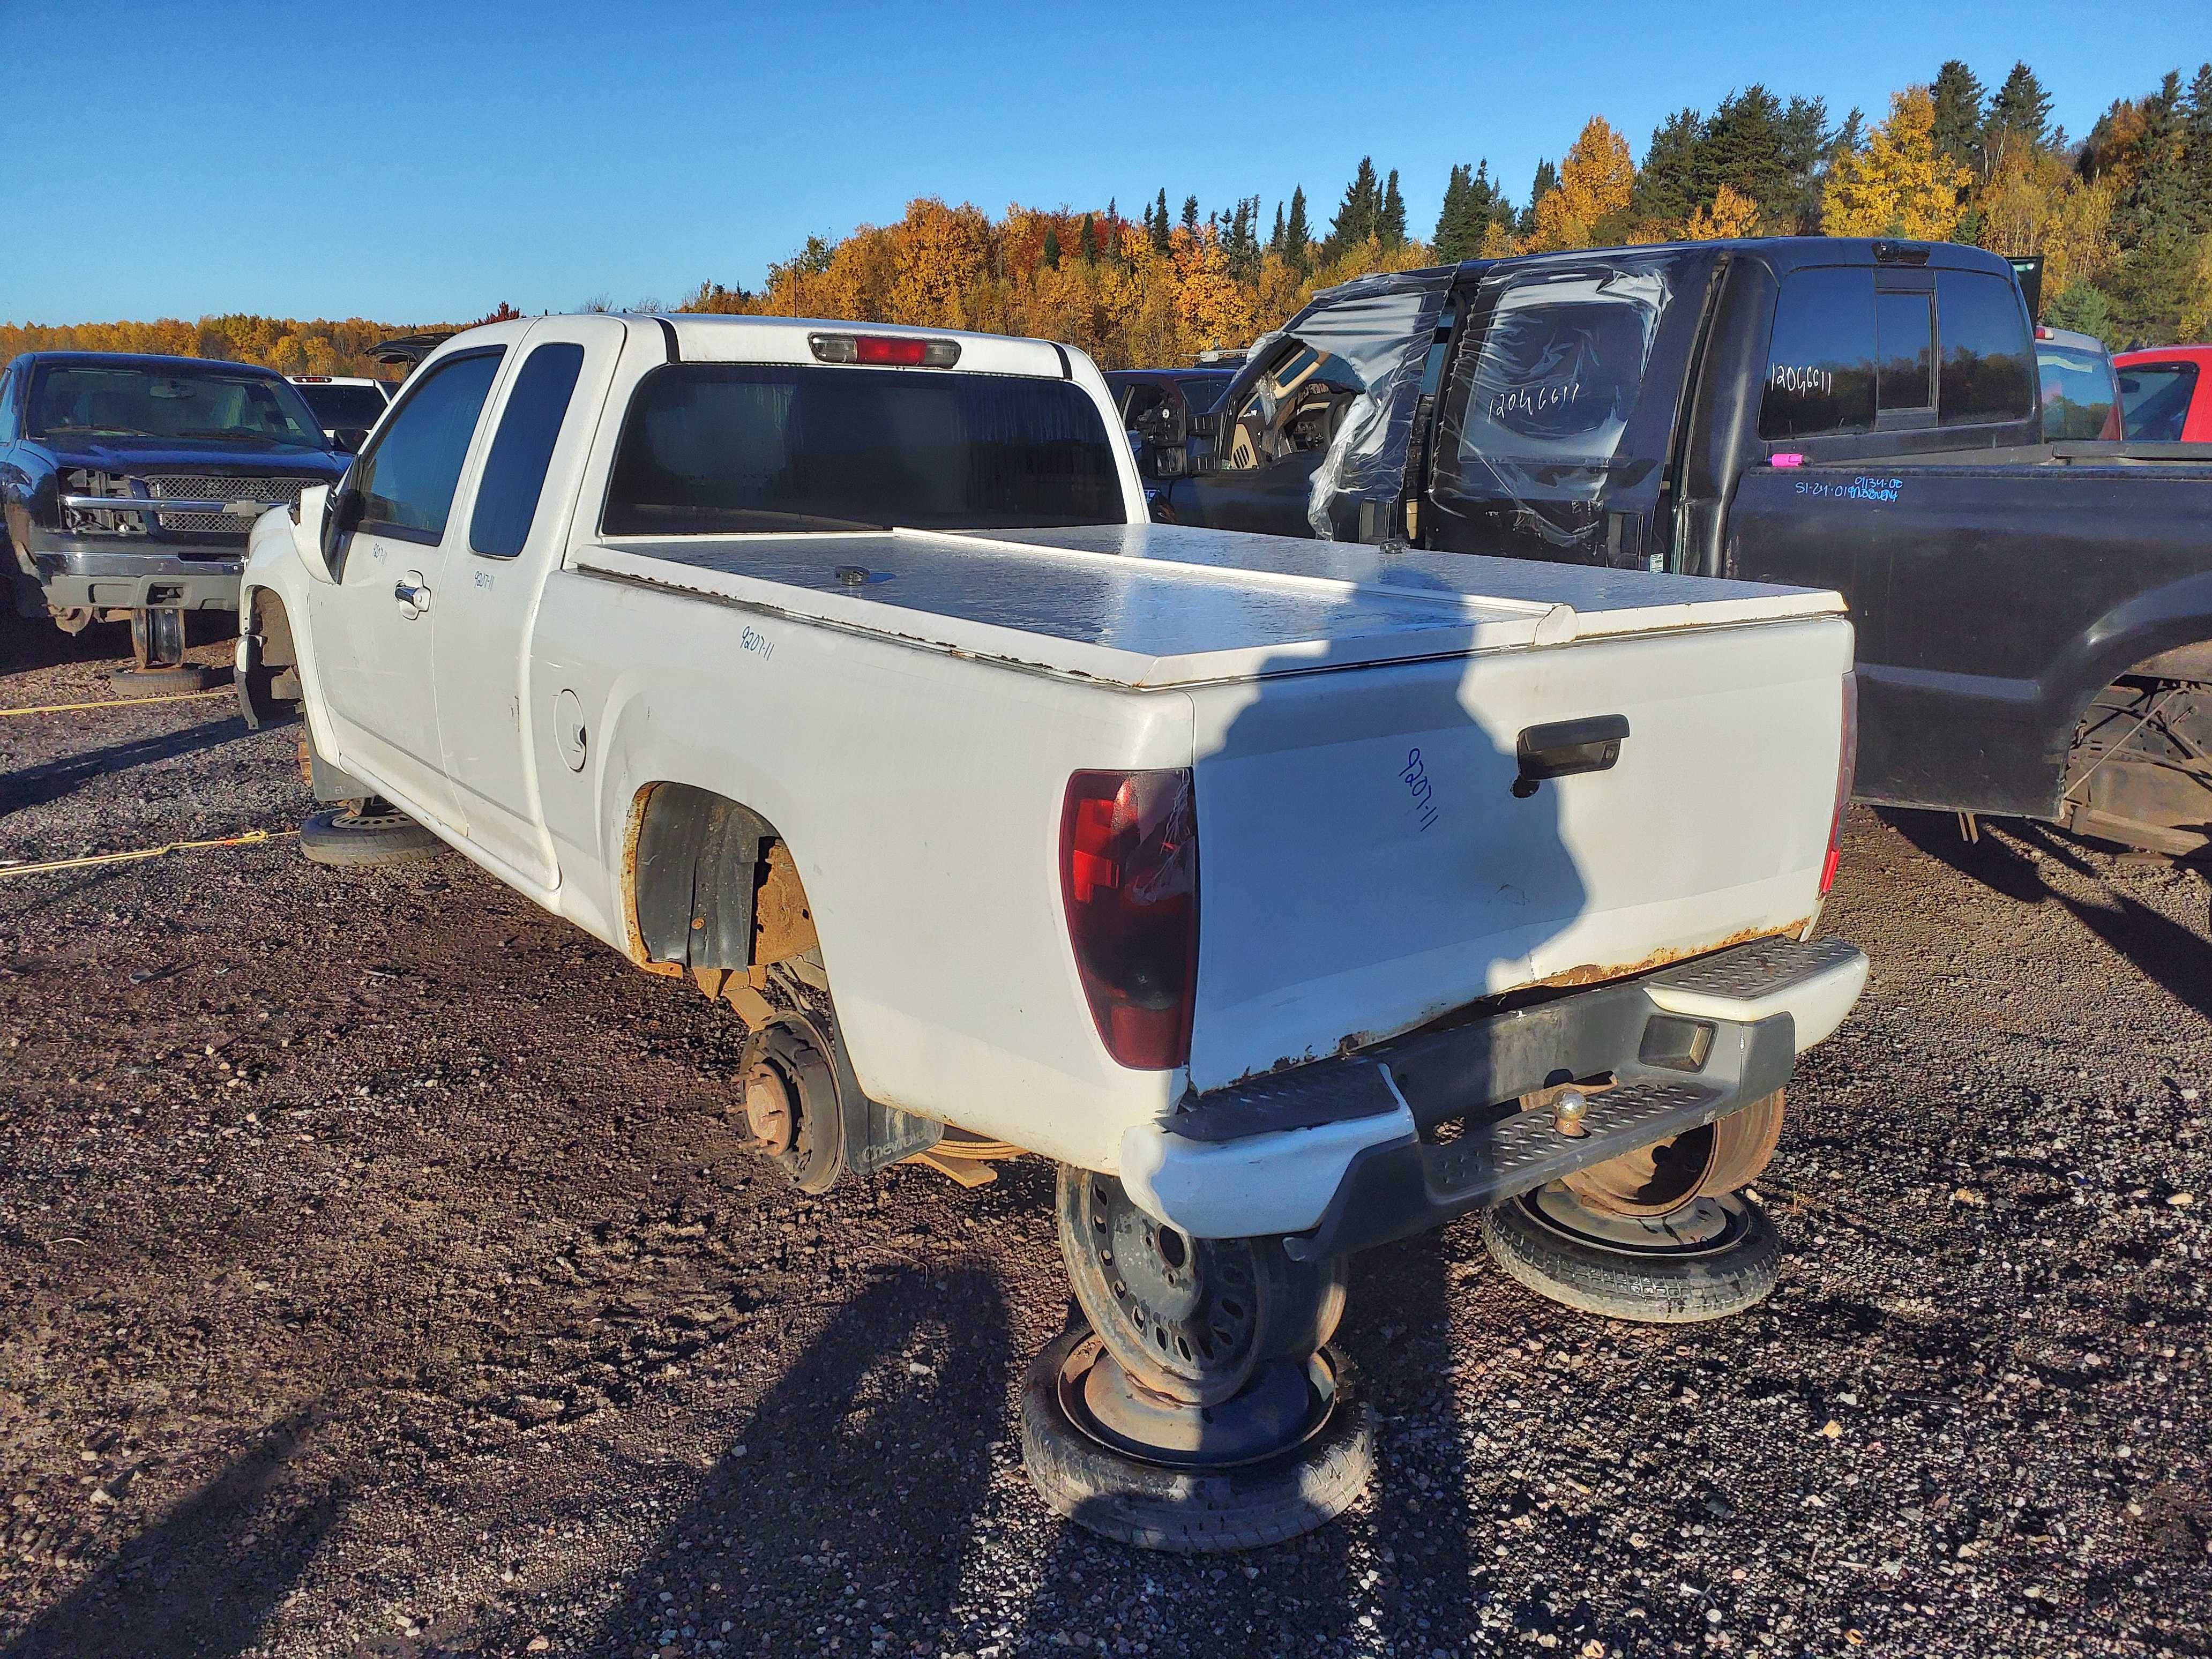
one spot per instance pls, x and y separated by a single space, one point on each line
710 448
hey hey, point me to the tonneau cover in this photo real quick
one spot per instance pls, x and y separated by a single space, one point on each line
1147 605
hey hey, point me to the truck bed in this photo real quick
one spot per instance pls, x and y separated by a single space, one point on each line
1151 606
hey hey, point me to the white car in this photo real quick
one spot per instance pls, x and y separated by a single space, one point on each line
1293 896
347 405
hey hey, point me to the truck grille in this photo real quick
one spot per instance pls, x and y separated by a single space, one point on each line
274 492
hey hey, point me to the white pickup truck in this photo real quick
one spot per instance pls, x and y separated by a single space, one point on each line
1294 896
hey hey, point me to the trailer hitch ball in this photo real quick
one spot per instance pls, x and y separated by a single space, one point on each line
1568 1111
769 1107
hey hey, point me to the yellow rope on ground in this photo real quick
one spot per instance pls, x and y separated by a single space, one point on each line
123 703
250 838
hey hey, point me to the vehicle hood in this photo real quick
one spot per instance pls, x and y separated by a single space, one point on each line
192 455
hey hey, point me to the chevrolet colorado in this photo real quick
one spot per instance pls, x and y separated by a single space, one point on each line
1292 896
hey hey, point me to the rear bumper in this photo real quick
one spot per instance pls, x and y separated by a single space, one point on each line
1338 1153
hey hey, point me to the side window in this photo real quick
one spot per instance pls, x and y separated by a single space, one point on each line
407 481
514 473
1989 359
1819 369
1904 336
8 407
1143 398
2155 401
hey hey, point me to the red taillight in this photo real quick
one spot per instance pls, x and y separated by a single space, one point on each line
1129 880
1847 760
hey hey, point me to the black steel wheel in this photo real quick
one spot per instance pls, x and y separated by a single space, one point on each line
364 833
1190 1318
1187 1504
1713 1257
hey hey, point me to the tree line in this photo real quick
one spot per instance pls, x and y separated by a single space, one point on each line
2123 218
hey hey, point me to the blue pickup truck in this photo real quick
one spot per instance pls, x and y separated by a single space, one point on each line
127 485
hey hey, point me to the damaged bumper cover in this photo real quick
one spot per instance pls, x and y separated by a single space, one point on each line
1341 1154
107 573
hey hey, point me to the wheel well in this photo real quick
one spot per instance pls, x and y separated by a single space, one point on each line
272 626
712 886
2135 768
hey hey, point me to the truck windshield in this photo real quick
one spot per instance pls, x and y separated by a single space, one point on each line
2078 392
136 400
726 448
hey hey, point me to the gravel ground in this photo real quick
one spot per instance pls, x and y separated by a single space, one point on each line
377 1277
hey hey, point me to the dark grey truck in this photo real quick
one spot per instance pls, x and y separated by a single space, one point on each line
128 483
2034 619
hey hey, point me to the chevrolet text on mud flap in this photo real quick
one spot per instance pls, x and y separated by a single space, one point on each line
1293 896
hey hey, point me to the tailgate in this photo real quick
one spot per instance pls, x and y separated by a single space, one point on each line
1365 866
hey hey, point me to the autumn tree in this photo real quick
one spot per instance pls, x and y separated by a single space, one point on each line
1897 186
1592 196
1732 214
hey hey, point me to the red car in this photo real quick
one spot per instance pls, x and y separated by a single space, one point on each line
2165 394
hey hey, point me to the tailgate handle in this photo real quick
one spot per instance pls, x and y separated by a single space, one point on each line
1566 747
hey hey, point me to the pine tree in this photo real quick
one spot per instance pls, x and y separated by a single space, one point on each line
1089 236
2156 203
1450 238
1958 96
1666 191
1275 242
2019 117
1546 181
1052 247
1297 237
1356 218
2197 152
1744 146
1160 224
1190 214
1390 219
1806 137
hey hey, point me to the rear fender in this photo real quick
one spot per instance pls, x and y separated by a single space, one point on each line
2130 638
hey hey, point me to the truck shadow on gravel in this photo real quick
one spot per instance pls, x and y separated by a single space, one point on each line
38 786
909 1376
204 1580
2163 951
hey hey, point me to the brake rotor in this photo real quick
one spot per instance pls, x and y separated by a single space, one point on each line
791 1101
1706 1162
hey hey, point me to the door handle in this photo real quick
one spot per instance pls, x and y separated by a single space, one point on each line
411 594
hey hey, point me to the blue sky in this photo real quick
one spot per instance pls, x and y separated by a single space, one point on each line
418 162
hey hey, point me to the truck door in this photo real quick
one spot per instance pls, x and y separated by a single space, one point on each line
1314 439
377 618
1559 413
517 512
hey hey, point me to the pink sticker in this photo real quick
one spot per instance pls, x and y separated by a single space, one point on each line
1788 457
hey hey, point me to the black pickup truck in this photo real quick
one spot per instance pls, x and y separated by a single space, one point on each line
127 485
2034 619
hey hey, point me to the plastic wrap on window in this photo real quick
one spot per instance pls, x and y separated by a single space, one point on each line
1375 332
1532 437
